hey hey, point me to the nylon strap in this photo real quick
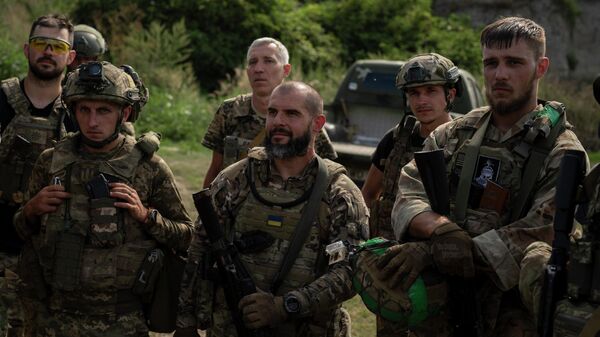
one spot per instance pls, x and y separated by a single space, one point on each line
302 229
466 174
535 162
592 327
258 140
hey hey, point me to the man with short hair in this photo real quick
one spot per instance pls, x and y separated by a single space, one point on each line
265 196
428 82
31 120
502 164
98 203
239 122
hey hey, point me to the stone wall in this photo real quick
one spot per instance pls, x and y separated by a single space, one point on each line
579 43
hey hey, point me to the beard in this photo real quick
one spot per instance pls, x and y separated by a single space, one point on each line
507 107
297 146
43 74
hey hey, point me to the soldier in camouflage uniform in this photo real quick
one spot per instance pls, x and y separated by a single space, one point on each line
307 302
502 165
430 100
239 123
31 120
577 315
97 204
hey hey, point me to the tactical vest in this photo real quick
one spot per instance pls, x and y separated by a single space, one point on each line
90 249
24 138
280 223
502 166
402 153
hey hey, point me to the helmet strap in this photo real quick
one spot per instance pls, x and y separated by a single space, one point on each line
449 105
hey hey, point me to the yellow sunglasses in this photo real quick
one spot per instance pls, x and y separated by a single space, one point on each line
40 43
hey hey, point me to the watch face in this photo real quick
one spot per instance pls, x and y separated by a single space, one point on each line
292 305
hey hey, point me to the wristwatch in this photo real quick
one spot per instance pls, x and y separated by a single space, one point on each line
152 214
291 304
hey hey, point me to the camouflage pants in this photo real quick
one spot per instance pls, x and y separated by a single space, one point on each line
11 313
54 324
435 326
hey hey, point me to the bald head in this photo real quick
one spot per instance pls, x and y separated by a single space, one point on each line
312 100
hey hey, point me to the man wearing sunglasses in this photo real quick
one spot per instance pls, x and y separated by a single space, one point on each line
31 121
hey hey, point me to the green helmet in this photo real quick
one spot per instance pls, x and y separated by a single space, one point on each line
407 307
427 69
100 81
87 41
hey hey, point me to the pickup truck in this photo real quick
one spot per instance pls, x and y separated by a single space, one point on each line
368 104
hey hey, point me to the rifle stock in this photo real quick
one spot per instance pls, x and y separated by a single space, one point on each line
464 313
236 279
572 171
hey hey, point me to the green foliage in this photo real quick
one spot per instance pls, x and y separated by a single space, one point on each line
582 110
12 61
570 10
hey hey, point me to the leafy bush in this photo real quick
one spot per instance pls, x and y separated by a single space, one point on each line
12 60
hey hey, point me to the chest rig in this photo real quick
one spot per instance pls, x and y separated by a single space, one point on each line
278 212
491 183
402 153
24 138
88 245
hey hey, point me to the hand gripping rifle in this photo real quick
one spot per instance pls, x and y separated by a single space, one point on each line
464 312
236 279
572 172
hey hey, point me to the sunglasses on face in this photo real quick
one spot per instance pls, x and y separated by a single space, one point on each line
40 44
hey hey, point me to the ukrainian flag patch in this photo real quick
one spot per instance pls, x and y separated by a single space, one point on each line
274 220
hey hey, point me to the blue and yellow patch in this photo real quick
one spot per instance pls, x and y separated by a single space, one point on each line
274 220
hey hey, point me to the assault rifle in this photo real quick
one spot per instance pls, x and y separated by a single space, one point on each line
464 310
236 279
572 171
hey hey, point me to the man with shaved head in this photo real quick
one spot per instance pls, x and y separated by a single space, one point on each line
265 197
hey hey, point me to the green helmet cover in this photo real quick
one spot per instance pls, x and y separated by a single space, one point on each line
100 81
411 307
427 69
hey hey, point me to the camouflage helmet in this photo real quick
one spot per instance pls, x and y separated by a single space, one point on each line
101 81
427 69
410 308
87 41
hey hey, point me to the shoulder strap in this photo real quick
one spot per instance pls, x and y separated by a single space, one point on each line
466 174
15 96
303 227
540 148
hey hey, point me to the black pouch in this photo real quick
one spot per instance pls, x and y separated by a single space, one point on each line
148 274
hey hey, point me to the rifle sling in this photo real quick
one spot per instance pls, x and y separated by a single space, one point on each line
303 227
466 173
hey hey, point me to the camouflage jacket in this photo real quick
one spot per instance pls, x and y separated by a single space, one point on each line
494 235
342 208
154 183
235 117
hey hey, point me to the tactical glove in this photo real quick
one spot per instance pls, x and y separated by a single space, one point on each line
451 248
402 264
262 309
